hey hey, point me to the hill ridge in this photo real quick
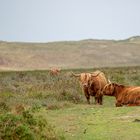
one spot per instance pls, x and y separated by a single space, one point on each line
69 54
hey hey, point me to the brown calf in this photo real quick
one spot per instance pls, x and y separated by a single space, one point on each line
54 71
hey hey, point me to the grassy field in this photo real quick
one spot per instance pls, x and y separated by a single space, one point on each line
90 122
36 105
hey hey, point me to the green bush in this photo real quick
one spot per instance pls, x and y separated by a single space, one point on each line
25 127
13 127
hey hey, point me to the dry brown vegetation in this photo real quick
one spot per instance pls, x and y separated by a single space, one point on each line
70 54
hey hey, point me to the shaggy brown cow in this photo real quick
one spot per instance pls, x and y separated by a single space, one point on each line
84 79
125 95
55 71
96 85
92 84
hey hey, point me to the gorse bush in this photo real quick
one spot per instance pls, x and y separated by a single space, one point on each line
25 126
13 127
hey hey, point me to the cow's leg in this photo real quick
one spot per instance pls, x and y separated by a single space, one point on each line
101 100
88 98
134 104
131 104
97 97
118 104
87 94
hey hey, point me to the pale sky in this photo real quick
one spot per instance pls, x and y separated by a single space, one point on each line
61 20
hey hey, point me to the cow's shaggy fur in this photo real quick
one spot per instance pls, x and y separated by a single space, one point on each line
92 85
55 71
96 85
125 95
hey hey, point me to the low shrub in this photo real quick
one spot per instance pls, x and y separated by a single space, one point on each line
25 126
4 107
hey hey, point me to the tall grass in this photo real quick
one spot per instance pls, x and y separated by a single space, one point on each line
39 87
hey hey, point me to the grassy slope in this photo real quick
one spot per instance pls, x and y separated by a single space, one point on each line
69 54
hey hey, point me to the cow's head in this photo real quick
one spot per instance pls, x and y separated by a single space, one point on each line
109 89
84 78
55 71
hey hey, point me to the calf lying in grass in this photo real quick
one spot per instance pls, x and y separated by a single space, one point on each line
125 95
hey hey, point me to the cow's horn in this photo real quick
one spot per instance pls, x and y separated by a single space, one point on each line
95 75
109 81
76 75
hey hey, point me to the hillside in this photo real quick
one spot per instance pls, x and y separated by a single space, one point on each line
70 54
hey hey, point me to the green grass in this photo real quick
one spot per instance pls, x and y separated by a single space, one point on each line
60 102
90 122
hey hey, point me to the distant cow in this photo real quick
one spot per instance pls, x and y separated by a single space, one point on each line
92 84
125 95
55 71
